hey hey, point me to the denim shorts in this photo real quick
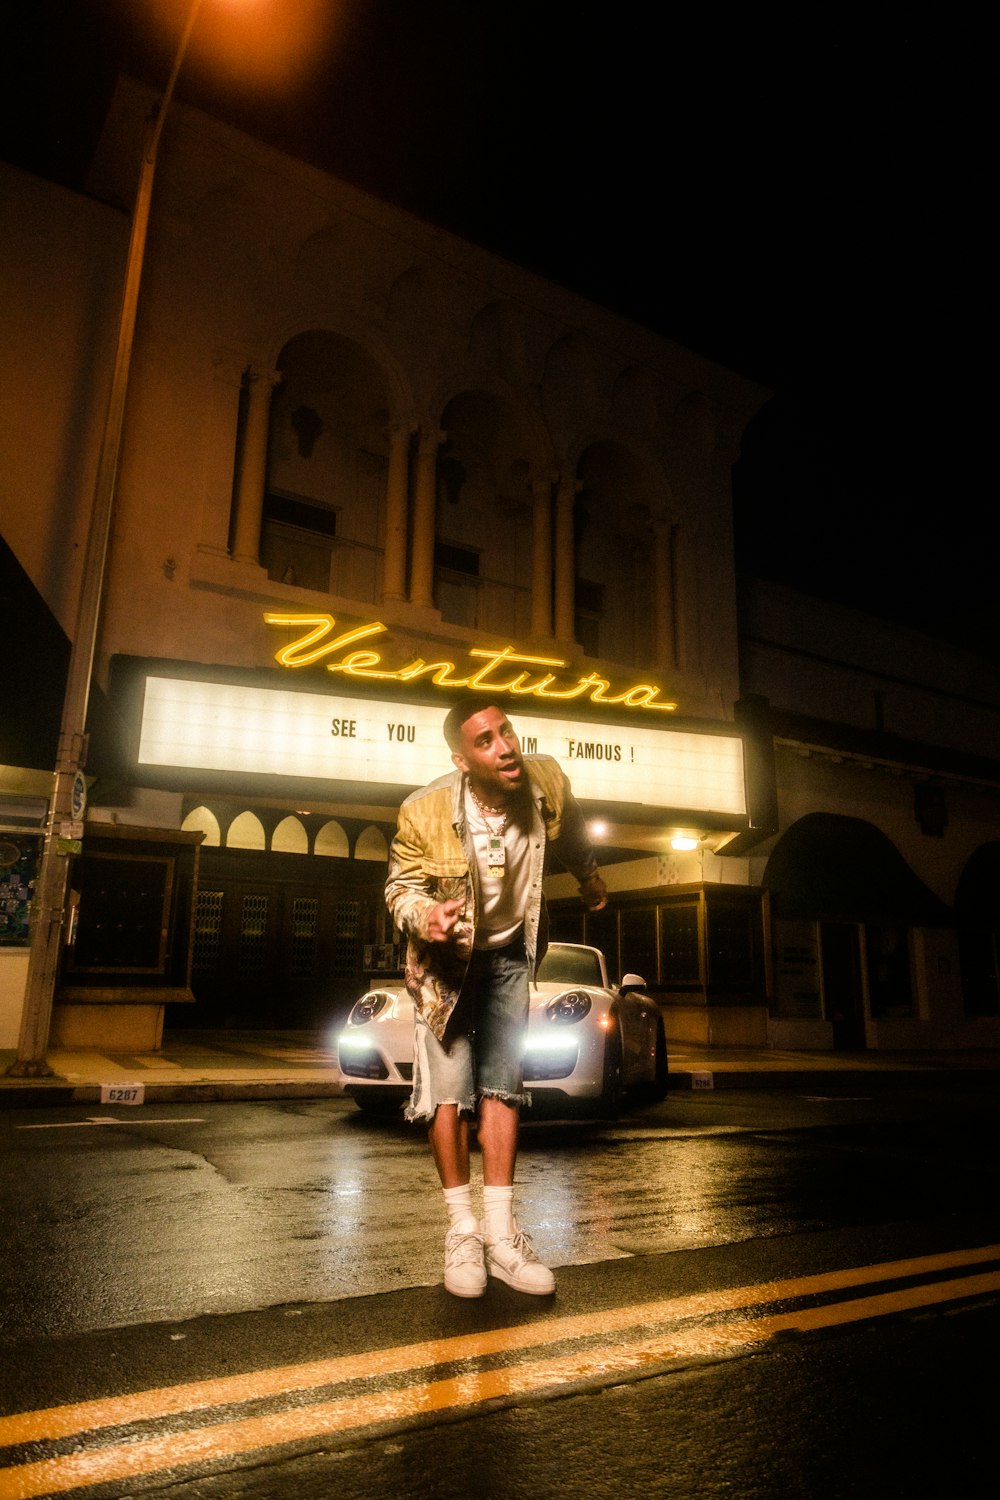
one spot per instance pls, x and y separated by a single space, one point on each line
481 1055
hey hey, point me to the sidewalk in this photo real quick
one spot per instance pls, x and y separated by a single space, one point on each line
216 1065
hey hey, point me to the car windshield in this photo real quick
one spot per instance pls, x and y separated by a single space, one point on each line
565 965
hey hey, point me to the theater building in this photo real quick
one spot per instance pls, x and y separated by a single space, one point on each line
367 465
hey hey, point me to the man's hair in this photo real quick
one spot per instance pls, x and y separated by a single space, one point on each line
459 713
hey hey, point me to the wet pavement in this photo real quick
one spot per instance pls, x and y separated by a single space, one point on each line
207 1065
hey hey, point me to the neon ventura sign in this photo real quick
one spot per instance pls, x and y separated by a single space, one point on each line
505 670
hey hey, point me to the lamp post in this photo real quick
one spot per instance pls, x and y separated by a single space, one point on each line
68 795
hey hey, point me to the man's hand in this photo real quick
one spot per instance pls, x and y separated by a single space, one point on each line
442 920
593 892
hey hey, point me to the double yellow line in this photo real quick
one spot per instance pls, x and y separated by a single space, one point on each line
603 1346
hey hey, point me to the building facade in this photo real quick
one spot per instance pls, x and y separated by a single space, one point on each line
880 882
366 465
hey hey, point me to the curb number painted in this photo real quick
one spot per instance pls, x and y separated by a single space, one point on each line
703 1080
123 1093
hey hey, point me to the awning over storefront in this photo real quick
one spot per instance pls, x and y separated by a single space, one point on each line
832 868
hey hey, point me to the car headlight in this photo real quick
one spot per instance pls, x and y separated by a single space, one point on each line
367 1008
568 1008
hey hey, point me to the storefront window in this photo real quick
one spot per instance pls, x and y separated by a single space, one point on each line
679 946
304 931
797 970
731 943
124 912
638 942
601 929
346 940
18 865
207 929
253 932
888 954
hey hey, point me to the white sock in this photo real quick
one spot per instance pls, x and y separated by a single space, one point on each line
458 1201
498 1212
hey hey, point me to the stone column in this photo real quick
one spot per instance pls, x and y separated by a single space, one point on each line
396 509
664 642
565 561
220 451
253 466
424 513
541 559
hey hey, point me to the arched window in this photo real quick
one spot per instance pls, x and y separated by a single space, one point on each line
371 844
327 462
290 837
200 820
332 840
246 832
482 552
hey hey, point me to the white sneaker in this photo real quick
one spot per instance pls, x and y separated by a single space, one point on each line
464 1270
514 1261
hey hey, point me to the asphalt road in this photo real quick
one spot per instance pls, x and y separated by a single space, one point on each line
758 1294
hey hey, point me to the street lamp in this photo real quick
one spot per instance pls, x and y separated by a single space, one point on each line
68 796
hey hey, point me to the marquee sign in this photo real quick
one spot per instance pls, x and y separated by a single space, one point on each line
506 670
212 726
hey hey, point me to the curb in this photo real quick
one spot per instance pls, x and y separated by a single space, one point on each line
36 1095
59 1092
829 1078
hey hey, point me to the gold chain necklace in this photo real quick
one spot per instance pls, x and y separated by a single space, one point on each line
496 854
488 812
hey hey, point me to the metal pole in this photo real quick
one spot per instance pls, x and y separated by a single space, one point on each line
49 900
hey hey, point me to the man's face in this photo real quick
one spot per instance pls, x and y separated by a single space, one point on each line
491 754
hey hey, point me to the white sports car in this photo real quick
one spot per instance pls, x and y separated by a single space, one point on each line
588 1042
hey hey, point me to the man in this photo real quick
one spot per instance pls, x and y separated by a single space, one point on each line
465 886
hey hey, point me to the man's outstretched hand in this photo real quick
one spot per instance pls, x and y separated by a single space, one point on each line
593 892
443 919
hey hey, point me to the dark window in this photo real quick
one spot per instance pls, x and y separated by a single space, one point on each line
601 928
977 949
124 912
566 925
463 560
888 955
304 931
207 929
679 945
346 956
456 583
253 933
288 511
296 542
731 946
638 942
589 603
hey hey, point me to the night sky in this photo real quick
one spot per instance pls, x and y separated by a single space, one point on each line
804 199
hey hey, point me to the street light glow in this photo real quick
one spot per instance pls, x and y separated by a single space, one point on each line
249 47
64 825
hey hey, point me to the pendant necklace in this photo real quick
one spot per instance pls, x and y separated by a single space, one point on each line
496 855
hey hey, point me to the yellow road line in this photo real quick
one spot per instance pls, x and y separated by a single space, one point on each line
207 1444
115 1411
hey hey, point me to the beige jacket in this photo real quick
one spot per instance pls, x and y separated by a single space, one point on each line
432 860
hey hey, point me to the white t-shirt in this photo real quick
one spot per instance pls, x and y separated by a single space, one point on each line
503 894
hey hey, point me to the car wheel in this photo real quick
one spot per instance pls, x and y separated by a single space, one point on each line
610 1102
658 1087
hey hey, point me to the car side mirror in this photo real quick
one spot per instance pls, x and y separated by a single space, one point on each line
631 982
